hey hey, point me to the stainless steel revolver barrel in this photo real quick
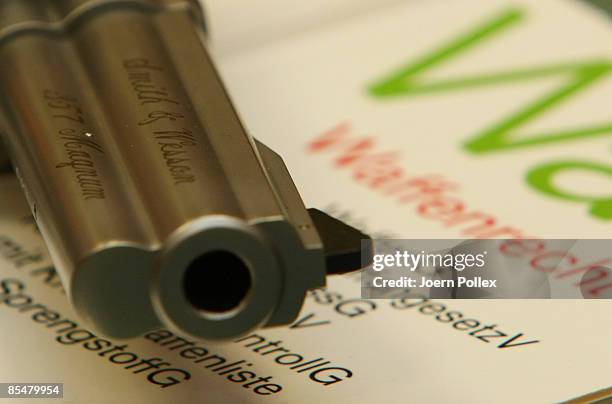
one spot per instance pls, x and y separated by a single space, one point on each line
157 207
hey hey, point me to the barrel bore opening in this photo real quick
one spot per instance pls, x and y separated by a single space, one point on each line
216 281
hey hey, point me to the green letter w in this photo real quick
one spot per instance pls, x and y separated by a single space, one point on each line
580 75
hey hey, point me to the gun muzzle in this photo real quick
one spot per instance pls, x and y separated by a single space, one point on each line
157 208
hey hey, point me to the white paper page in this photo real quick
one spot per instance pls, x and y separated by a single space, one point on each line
234 25
289 94
395 352
294 92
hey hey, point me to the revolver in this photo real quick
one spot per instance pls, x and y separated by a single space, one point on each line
157 207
